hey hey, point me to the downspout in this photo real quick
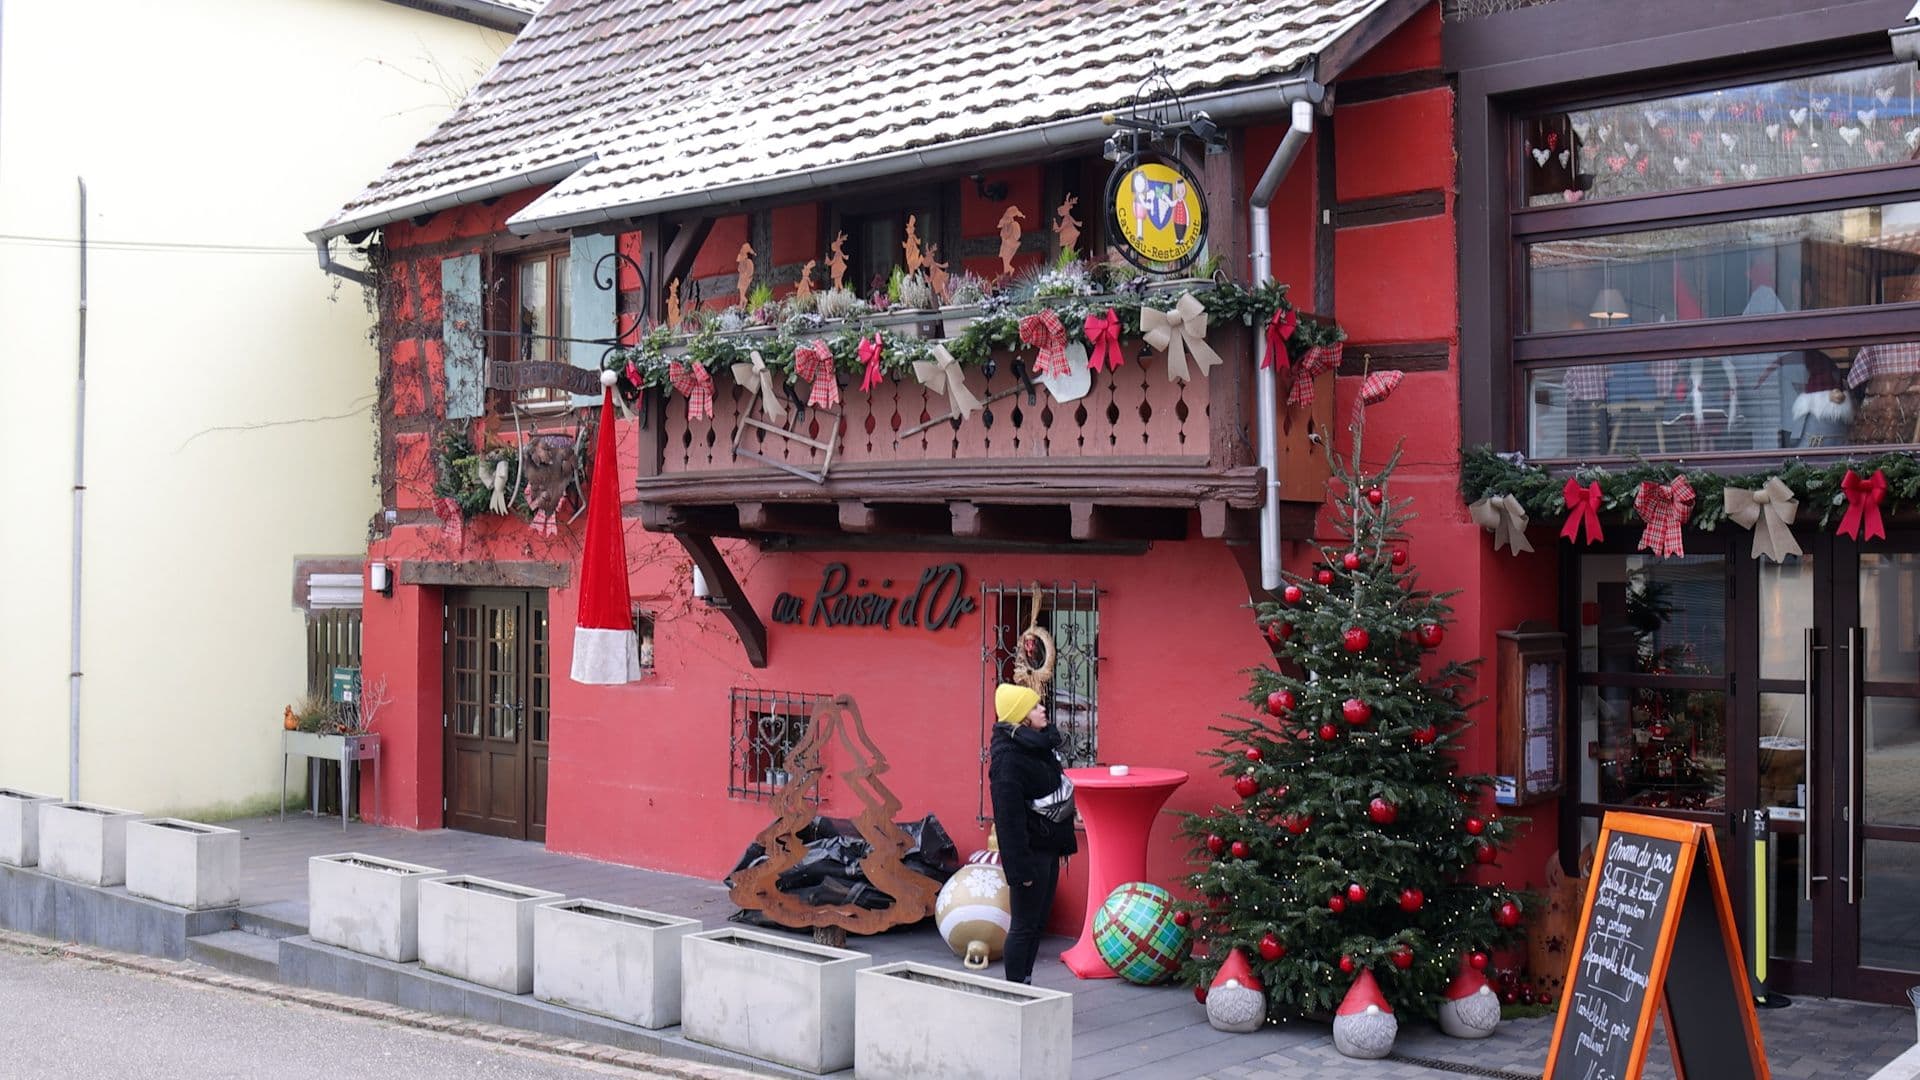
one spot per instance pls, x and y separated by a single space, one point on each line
1266 377
79 498
324 246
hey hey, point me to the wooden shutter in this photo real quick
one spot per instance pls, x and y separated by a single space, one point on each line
461 319
591 309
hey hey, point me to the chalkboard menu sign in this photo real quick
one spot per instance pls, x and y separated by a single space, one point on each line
1648 940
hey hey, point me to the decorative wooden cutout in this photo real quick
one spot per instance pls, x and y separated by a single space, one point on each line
673 304
837 260
1009 237
1065 226
743 268
784 431
911 245
756 888
937 274
803 292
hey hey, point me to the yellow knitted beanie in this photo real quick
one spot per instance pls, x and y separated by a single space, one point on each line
1012 703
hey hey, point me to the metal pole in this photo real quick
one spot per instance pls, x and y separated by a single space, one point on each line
79 500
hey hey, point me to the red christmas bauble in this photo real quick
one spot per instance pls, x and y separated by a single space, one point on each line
1240 849
1425 736
1280 792
1474 826
1411 900
1216 902
1382 812
1508 997
1323 577
1271 948
1328 733
1254 754
1403 958
1336 904
1526 996
1216 843
1484 854
1280 702
1296 823
1350 560
1507 915
1399 557
1286 630
1356 639
1477 961
1246 787
1545 997
1181 918
1430 635
1293 594
1357 893
1659 731
1356 711
1200 994
1375 495
1346 965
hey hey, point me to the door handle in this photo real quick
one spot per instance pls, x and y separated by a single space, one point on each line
1808 764
1856 642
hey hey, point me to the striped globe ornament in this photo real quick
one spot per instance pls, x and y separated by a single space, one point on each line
1136 935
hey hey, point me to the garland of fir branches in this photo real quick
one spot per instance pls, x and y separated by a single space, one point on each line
459 464
1815 483
997 327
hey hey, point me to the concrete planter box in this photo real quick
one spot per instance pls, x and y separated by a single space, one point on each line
366 904
480 930
612 961
776 998
183 863
20 826
84 843
933 1024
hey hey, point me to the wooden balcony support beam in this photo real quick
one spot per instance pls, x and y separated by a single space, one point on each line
862 517
974 521
787 517
1088 520
727 595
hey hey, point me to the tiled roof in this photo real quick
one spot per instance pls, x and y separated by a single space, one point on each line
663 99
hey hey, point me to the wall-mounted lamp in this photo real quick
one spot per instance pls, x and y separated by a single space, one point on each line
993 192
1609 305
1906 36
380 578
700 590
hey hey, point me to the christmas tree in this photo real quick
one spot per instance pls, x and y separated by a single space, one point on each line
1349 835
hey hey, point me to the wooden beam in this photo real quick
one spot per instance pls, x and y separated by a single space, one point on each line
680 253
780 517
1400 355
1091 521
1230 387
1218 521
1325 198
727 595
928 543
1019 523
858 516
503 575
1381 87
1360 38
1388 209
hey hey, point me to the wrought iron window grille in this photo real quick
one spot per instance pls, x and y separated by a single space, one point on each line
764 726
1070 613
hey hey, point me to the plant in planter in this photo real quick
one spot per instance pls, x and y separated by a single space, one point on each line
731 321
357 717
917 292
311 713
762 309
839 303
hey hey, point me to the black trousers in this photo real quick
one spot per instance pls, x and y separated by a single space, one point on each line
1030 905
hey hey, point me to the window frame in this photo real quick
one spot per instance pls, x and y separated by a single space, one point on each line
506 345
746 708
1005 607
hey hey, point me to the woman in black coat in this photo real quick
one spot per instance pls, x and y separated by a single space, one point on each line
1033 813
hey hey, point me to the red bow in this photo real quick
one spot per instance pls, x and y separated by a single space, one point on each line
1665 508
693 383
1583 505
1864 496
452 525
814 363
633 376
1043 331
1279 329
1320 358
870 356
1103 333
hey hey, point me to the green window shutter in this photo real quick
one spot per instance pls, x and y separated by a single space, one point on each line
590 308
461 319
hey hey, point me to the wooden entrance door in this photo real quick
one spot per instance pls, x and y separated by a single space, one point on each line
495 661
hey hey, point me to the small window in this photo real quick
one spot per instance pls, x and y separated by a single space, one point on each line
766 725
643 633
1069 612
536 295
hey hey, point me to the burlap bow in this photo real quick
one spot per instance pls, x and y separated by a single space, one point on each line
870 349
756 379
1177 332
942 375
495 481
1505 518
1864 496
1583 508
1043 331
1774 505
692 382
1665 508
813 363
1103 333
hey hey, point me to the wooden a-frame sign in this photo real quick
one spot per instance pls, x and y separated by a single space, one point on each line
1648 940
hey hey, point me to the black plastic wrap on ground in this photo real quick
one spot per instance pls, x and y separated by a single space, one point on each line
829 873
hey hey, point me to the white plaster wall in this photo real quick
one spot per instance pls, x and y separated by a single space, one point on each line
230 382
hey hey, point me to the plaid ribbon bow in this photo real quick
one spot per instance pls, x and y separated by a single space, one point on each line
1279 329
1313 362
452 525
1665 508
1043 331
813 362
1864 496
1103 333
870 356
692 382
1583 507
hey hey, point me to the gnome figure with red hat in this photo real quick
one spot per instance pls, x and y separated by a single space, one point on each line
1237 1001
1364 1025
1471 1009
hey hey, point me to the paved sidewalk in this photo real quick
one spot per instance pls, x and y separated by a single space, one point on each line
1120 1030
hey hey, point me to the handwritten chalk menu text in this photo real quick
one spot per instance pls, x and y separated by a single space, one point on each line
1657 930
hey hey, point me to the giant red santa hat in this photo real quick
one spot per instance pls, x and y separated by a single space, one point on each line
604 647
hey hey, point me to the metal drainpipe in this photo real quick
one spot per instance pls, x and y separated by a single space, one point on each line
324 247
79 498
1267 379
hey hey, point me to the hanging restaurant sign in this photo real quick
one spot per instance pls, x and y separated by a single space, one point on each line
936 602
1157 210
531 374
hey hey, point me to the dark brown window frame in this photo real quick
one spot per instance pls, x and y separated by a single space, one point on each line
503 313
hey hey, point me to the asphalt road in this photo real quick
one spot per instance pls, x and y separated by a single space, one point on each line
63 1018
